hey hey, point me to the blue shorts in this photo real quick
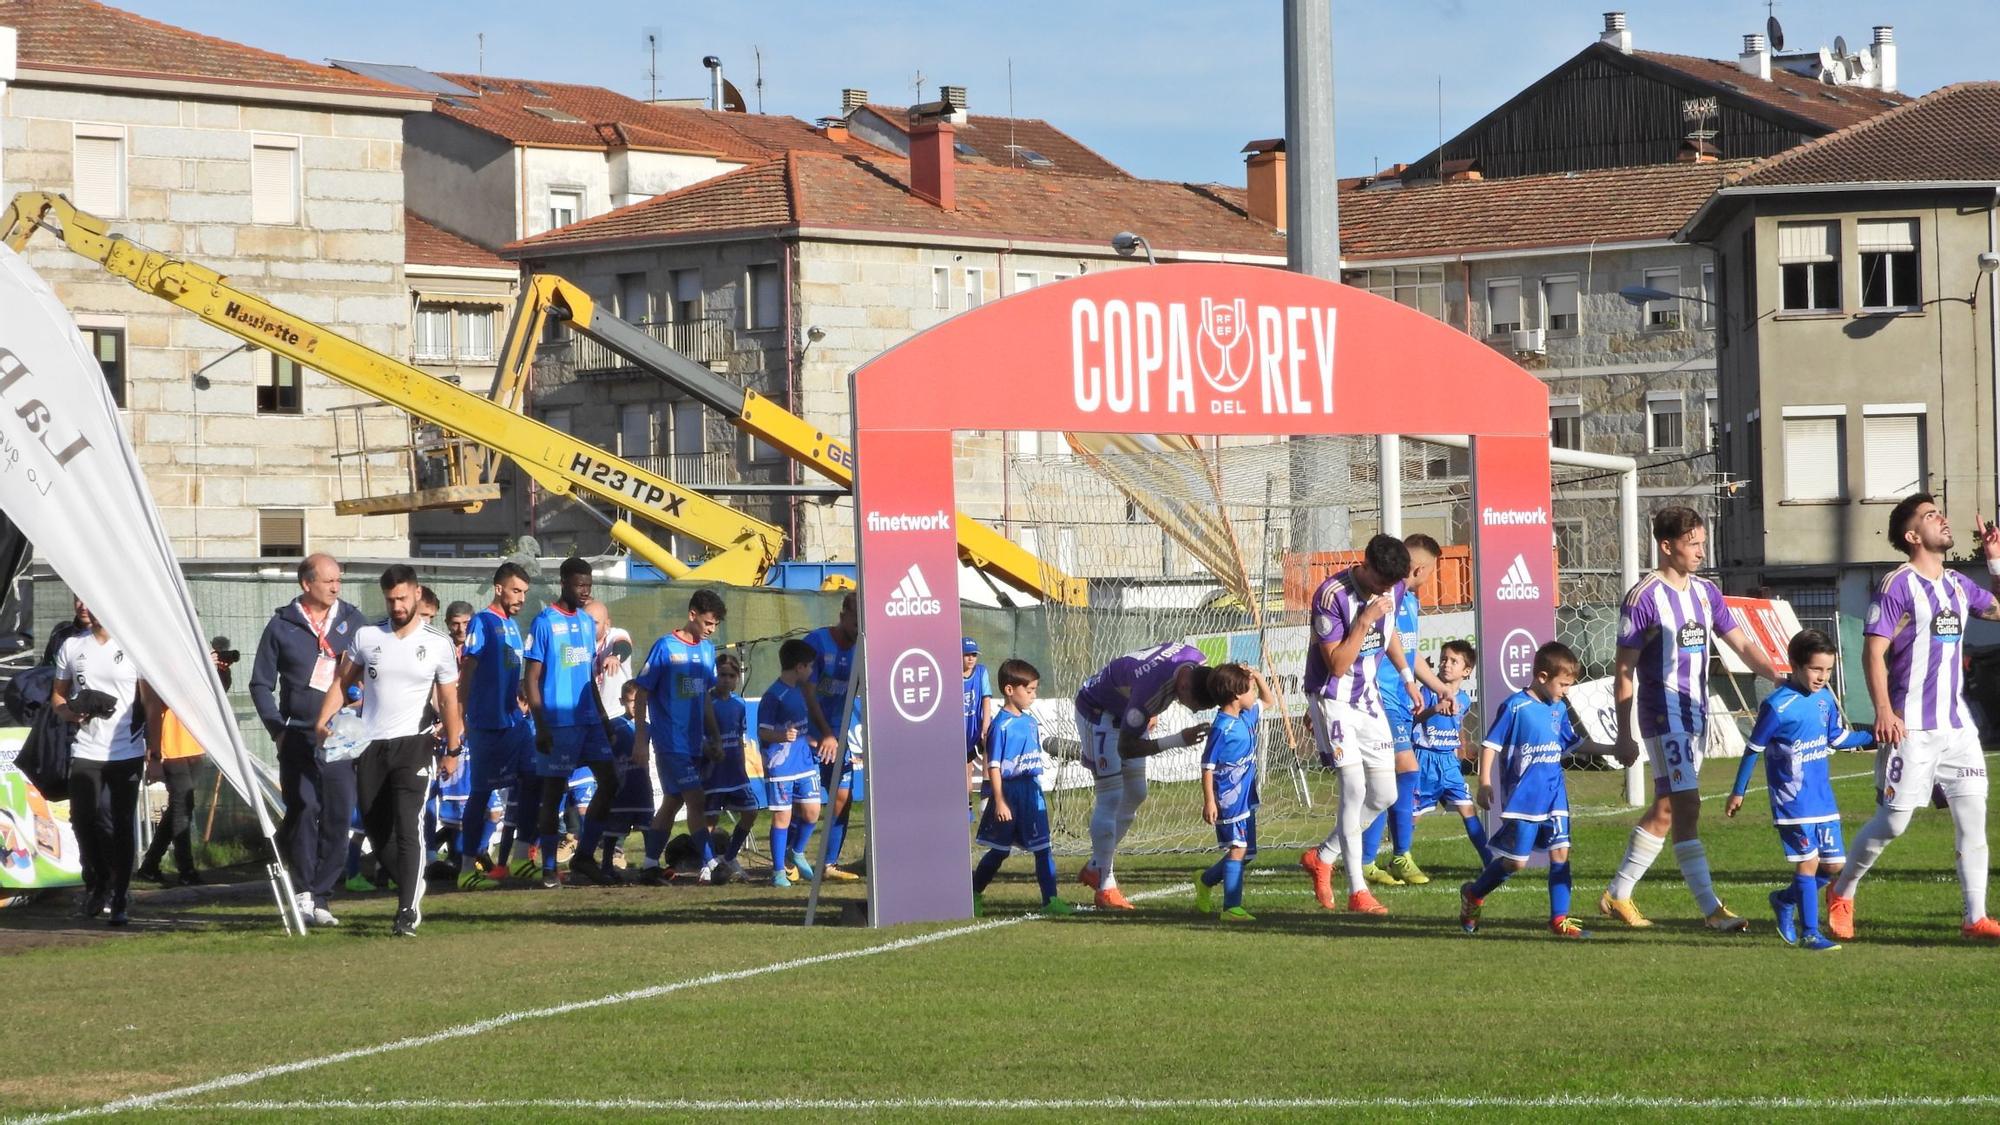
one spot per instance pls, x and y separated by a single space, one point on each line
779 796
1519 839
1402 729
852 778
748 797
571 747
499 755
1029 830
678 772
1439 780
1805 841
1239 833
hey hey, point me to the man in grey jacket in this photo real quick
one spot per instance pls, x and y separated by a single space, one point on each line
297 658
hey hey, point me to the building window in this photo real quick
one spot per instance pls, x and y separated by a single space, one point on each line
635 430
765 304
108 345
475 335
684 295
1027 538
1566 423
1025 280
557 419
274 179
279 392
1809 266
1666 422
1062 277
565 207
98 174
1027 443
1892 450
1503 307
1711 422
431 339
1570 544
1419 287
281 533
1814 441
1559 305
940 287
1664 315
975 288
1888 250
634 302
1066 549
690 432
1709 301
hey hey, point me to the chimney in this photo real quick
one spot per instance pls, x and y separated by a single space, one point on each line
1755 60
852 99
1616 35
834 129
1266 175
1694 150
932 155
1884 52
954 96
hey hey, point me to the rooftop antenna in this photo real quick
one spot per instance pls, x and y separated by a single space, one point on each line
918 83
1013 150
652 64
758 52
1773 30
482 53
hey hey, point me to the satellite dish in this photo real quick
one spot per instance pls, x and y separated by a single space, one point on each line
1775 32
1840 46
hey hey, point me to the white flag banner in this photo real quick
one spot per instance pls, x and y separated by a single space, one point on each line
69 480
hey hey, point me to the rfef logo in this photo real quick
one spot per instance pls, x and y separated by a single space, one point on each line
913 597
1518 585
1128 356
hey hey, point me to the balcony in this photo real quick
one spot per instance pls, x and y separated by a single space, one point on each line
704 341
692 469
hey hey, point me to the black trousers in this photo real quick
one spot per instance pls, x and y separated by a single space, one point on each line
177 823
391 778
103 811
319 809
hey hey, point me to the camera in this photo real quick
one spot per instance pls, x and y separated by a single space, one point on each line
223 653
94 704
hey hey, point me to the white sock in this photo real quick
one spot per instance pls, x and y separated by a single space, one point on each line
1968 822
1104 830
1693 859
1329 848
1884 826
1350 824
1640 853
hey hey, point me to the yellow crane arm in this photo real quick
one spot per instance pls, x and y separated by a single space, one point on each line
745 547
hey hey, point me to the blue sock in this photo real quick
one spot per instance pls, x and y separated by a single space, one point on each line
1371 838
591 830
802 835
1805 895
1490 879
836 838
989 866
1476 832
1213 875
1232 883
1403 814
1559 888
471 831
353 855
736 838
656 846
705 845
1045 874
779 853
549 842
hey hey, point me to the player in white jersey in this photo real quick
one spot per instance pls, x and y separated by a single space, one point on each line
1666 632
1914 663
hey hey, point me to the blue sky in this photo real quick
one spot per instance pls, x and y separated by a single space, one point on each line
1169 88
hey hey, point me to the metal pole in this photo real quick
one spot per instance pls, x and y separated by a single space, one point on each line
1628 567
1389 480
1312 220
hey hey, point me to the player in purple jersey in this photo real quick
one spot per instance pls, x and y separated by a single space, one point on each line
1666 636
1353 629
1913 658
1114 713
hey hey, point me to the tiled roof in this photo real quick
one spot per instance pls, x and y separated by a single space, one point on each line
863 192
1951 134
83 35
989 137
601 119
1520 212
425 244
1830 107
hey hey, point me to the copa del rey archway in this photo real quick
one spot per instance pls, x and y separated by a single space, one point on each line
1215 349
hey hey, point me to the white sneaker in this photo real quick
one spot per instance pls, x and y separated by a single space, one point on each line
322 917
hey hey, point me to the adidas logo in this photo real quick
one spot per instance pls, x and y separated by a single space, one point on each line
1517 585
913 597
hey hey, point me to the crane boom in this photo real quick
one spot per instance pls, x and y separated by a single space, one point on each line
746 547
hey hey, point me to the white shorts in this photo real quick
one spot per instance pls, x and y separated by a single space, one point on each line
1949 758
1676 760
1347 736
1100 744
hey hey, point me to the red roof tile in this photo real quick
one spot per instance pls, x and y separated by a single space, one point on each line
83 35
1521 212
861 192
427 244
1950 135
989 137
1830 107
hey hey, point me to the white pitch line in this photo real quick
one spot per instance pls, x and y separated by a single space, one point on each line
461 1031
873 1105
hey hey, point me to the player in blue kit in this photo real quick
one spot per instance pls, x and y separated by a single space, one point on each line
734 780
1400 709
558 682
833 672
1229 784
1798 729
498 732
674 719
1523 752
1016 814
979 704
791 771
1436 736
634 803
